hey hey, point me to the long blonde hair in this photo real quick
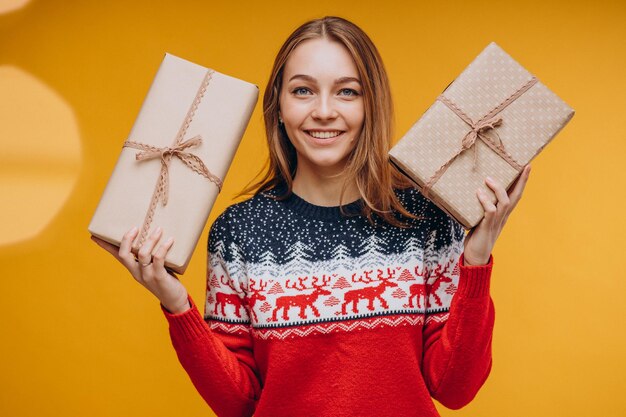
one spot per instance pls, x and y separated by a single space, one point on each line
368 165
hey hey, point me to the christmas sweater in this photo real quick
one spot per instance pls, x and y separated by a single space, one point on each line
310 312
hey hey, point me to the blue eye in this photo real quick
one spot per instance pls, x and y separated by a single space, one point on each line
351 91
296 90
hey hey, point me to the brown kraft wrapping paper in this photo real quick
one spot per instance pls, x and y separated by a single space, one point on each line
492 120
171 167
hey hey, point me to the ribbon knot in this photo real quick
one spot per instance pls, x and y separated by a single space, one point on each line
478 131
166 153
177 150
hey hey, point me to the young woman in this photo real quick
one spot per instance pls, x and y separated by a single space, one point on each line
337 289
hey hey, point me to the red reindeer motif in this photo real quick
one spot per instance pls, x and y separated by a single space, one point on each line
368 293
303 300
434 287
418 290
222 299
250 300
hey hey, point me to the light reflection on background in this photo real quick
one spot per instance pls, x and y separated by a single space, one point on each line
40 159
8 6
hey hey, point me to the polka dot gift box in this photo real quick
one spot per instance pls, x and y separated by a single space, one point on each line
490 121
172 164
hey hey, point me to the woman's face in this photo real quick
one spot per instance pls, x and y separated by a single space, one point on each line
321 103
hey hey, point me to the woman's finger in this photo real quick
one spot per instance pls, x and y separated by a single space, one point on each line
158 259
125 255
144 255
503 203
518 188
489 208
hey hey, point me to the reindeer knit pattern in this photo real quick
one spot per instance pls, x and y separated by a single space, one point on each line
309 312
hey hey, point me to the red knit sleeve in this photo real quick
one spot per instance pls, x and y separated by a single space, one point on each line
457 344
218 365
216 350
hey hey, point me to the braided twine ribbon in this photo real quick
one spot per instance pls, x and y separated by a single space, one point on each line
161 190
478 131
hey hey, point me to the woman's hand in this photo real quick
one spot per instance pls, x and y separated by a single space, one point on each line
167 288
480 240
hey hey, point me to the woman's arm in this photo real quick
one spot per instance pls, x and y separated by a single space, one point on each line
220 365
457 351
218 358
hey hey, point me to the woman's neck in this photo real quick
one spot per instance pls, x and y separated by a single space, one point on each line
314 185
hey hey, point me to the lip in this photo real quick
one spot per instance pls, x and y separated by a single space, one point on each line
323 130
324 142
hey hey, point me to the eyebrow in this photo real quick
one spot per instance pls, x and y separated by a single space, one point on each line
341 80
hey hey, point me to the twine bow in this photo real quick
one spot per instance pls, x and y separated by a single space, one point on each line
166 154
479 129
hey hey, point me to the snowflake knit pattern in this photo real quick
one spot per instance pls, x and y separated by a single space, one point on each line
310 312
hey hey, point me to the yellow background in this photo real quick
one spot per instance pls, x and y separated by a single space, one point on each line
81 337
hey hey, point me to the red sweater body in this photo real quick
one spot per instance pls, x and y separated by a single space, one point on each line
379 329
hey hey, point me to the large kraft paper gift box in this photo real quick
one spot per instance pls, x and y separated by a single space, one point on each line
172 165
492 120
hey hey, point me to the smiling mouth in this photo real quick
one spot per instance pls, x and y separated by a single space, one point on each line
323 135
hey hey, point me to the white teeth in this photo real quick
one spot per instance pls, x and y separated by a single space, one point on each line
324 135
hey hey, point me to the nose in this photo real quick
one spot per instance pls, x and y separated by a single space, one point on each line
324 108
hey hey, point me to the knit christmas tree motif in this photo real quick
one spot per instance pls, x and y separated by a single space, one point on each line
341 283
298 258
341 256
331 301
265 307
268 259
236 268
412 245
276 289
220 248
406 276
451 289
398 293
371 251
213 281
